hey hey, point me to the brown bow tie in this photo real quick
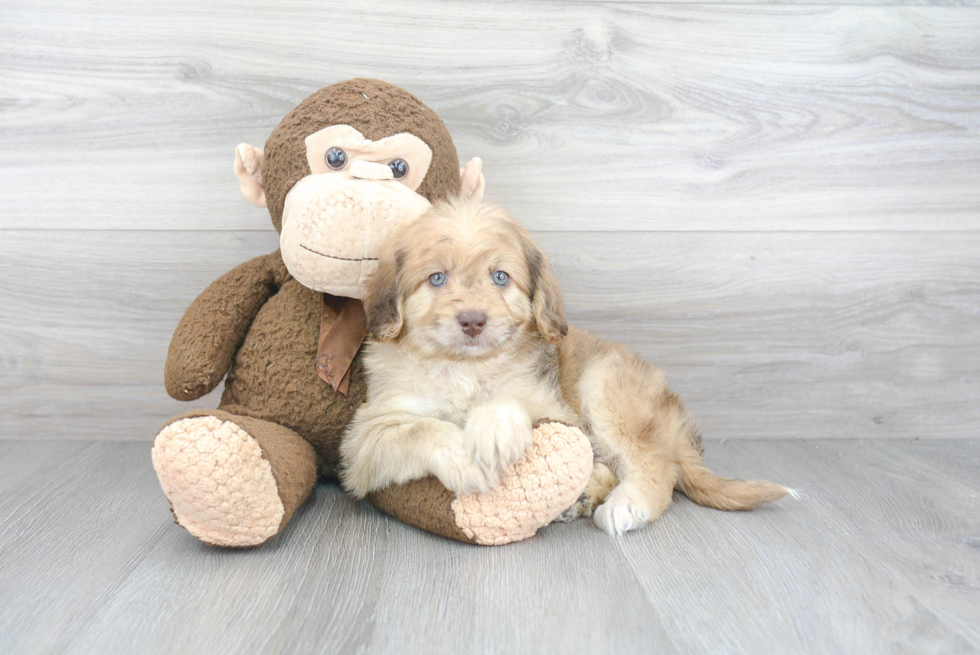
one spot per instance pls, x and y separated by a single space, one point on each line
343 327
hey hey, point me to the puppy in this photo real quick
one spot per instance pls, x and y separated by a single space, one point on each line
465 316
471 350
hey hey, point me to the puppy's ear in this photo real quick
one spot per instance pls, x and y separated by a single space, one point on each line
383 302
547 304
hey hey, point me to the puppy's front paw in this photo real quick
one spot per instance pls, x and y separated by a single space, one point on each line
496 436
458 473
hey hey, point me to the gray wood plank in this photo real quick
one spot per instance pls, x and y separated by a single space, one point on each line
783 335
877 538
540 596
316 584
76 526
793 336
589 116
880 556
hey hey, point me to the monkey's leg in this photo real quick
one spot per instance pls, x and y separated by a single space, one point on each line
532 493
232 480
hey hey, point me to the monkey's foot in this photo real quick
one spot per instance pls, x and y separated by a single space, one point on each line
228 485
550 476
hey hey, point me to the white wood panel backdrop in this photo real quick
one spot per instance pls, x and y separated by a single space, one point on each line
778 203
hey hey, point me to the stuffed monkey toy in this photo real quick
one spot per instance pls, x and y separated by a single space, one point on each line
350 164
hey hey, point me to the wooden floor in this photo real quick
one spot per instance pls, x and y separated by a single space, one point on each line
881 555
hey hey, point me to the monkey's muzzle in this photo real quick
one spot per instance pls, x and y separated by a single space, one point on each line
331 233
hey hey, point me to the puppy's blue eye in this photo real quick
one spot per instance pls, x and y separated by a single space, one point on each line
437 279
500 278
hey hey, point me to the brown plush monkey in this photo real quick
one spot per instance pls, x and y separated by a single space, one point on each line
351 163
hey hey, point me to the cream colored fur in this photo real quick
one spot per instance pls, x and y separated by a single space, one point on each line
445 403
442 402
462 421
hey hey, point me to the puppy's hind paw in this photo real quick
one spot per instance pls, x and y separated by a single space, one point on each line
624 510
601 484
578 510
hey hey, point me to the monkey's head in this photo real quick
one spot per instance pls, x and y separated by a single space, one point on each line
352 163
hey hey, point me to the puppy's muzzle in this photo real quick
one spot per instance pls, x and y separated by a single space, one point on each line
472 322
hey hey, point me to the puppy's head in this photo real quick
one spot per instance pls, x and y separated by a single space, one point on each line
464 280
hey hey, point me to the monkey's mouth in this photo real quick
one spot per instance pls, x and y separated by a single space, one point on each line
343 259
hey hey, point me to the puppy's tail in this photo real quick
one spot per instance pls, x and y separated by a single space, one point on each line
706 488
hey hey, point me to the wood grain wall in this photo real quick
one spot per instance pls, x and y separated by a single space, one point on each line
778 203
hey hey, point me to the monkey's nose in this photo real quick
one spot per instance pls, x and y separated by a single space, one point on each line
369 170
472 322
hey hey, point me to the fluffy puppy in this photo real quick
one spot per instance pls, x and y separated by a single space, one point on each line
465 316
471 350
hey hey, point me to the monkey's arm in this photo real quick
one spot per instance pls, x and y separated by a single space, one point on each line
214 326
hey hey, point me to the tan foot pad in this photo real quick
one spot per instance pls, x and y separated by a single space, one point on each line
543 483
220 486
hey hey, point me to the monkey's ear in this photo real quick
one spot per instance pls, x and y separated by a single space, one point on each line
547 304
383 303
248 170
471 179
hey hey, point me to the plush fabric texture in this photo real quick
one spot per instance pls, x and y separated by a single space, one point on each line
262 328
334 229
232 481
424 503
274 377
259 328
544 482
214 326
417 154
374 108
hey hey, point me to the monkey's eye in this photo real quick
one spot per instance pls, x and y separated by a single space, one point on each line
500 278
399 168
336 158
437 279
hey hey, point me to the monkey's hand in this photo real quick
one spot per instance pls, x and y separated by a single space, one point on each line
214 326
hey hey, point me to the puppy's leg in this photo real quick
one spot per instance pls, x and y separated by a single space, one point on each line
602 481
639 499
393 448
636 444
497 434
633 430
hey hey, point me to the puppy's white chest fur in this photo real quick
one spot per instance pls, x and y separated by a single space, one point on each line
455 387
450 389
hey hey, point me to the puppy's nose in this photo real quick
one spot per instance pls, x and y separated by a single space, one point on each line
472 322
